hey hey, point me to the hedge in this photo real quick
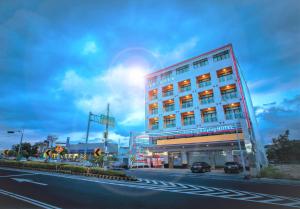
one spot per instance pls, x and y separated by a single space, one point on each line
58 167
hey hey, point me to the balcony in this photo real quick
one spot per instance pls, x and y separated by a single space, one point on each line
185 88
189 121
154 111
170 125
167 93
187 104
207 100
231 116
154 127
202 84
231 95
169 108
226 78
210 119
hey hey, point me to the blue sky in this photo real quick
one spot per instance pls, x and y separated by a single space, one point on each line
61 59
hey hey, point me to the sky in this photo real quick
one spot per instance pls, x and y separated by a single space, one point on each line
61 59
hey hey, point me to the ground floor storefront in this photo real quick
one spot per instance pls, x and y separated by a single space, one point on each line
183 156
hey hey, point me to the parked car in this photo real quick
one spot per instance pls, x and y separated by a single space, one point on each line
232 167
200 167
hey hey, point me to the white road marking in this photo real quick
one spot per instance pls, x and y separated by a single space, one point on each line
28 181
198 190
28 200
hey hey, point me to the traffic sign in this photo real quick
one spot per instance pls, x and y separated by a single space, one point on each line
59 149
48 152
97 152
103 119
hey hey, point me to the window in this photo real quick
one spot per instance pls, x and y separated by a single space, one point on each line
209 115
200 63
233 111
186 101
188 118
182 69
221 56
170 121
152 81
167 76
206 97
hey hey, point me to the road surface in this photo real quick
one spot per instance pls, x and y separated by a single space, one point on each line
33 189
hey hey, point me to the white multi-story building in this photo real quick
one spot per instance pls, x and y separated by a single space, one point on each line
199 109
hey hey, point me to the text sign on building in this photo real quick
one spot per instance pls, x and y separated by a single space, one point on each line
197 131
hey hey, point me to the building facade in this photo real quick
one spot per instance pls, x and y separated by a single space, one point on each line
199 109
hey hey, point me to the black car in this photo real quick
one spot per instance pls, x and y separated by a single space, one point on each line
200 167
232 167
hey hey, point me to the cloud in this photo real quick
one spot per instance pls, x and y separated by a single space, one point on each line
275 119
120 86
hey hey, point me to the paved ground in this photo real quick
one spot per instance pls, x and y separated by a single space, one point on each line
30 189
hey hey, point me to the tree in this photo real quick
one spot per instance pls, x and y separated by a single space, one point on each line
27 149
284 150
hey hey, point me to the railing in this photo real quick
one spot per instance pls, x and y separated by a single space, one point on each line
204 83
167 93
154 127
185 88
169 108
154 97
231 95
209 119
225 78
230 116
187 104
154 111
170 125
188 122
207 100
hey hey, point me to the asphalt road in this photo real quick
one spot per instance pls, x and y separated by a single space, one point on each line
20 189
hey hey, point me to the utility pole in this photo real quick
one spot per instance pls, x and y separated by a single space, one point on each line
106 137
87 134
240 148
21 140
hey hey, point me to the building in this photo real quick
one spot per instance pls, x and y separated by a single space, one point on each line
199 109
77 151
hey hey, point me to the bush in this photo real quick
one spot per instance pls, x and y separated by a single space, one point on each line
272 172
100 171
55 167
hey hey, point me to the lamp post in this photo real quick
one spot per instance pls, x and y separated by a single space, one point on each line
21 140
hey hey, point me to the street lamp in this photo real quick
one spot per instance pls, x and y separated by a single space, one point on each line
22 133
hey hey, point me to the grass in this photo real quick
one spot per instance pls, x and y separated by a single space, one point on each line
275 173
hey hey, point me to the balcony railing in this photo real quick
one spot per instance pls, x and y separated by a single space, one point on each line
204 83
185 88
188 122
169 108
167 93
231 116
154 111
170 125
207 100
231 95
187 104
209 119
154 97
225 78
154 127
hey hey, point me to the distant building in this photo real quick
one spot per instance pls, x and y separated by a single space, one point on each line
198 110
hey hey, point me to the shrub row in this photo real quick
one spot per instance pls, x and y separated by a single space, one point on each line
60 167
